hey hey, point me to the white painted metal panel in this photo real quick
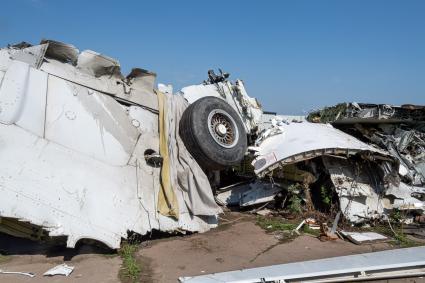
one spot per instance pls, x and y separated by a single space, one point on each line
302 138
12 92
72 194
32 55
33 114
4 59
111 85
89 122
66 192
195 92
1 77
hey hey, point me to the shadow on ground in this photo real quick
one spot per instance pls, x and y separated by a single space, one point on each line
10 245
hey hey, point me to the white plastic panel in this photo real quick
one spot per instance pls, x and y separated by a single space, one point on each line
89 122
12 92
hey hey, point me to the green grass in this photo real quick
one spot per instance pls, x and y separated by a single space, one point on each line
326 196
286 229
403 241
130 268
399 238
308 230
273 224
295 205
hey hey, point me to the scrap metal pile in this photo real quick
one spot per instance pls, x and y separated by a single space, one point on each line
362 159
88 153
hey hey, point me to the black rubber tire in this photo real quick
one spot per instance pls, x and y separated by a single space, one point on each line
196 136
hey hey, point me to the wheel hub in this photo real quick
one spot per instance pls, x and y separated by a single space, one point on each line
222 128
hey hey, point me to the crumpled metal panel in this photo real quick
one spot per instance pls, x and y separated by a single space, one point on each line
302 141
74 195
249 194
359 192
404 197
353 112
63 52
65 192
31 55
397 129
363 195
75 166
95 71
97 65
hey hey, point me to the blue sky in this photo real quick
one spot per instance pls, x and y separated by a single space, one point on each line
294 56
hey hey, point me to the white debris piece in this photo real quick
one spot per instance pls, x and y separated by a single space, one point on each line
62 269
363 237
259 192
264 212
29 274
249 194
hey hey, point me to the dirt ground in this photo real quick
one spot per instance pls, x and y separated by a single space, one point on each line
235 245
241 244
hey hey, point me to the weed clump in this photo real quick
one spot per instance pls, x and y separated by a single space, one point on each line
130 269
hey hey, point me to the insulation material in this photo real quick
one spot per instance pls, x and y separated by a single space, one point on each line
187 178
167 202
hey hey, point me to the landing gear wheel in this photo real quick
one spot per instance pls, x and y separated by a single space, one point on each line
213 133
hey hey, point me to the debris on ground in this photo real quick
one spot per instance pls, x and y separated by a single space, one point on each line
62 269
85 144
326 233
299 227
400 263
29 274
363 237
264 212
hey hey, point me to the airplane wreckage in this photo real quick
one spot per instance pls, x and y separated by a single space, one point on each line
87 153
